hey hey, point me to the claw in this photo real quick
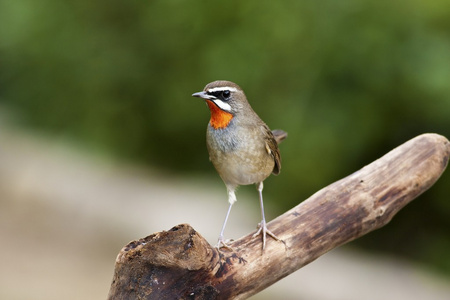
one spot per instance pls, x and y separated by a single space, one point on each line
263 228
221 243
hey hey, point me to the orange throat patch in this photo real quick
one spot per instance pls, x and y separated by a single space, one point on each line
219 118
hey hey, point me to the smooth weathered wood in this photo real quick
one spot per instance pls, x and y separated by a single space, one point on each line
180 264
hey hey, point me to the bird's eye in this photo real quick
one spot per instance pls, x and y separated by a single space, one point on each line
226 94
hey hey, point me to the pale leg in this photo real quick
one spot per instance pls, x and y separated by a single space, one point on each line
262 226
231 199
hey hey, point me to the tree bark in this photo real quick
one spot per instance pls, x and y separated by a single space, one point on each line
180 264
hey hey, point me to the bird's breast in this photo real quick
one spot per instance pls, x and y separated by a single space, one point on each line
239 154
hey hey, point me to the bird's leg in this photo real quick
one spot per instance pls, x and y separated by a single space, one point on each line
262 226
231 199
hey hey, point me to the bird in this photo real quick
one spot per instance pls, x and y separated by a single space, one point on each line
241 146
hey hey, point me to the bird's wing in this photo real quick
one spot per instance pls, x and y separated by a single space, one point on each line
272 149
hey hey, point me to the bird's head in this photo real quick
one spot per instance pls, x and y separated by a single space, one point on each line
225 100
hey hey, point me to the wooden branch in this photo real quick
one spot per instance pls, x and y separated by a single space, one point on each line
180 264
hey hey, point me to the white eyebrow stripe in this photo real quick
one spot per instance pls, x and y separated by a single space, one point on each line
222 88
222 105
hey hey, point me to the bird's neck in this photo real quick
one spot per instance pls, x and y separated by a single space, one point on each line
219 118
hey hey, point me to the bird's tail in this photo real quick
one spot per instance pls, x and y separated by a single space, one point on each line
279 135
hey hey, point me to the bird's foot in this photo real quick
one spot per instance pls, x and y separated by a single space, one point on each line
221 243
264 230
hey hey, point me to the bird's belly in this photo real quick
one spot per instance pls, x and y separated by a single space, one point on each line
243 164
239 170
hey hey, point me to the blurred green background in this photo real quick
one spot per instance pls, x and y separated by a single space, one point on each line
348 80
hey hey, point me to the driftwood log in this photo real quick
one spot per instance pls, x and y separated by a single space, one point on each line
181 264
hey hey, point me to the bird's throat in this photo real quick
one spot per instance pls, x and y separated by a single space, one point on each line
219 118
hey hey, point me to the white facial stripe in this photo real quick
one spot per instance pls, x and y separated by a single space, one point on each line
222 105
222 88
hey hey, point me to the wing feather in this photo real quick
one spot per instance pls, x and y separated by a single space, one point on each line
272 149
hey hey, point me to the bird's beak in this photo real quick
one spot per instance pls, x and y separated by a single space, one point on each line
201 94
222 105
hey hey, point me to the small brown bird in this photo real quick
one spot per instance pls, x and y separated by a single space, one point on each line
241 146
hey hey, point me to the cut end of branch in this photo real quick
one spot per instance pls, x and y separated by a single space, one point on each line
162 263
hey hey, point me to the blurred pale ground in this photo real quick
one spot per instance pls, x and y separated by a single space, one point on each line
64 216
